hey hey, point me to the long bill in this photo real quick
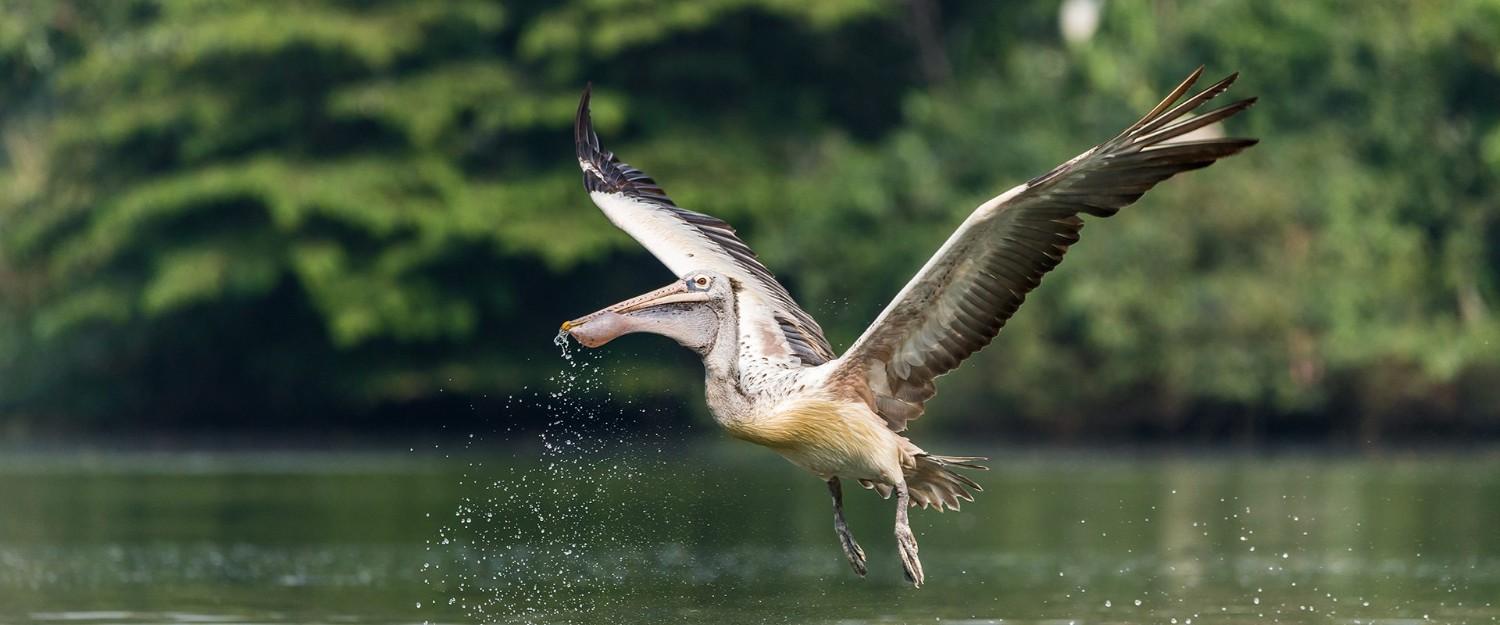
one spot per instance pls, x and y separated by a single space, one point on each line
600 327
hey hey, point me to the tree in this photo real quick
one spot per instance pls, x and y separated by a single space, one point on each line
285 211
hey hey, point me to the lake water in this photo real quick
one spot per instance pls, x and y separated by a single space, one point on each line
652 532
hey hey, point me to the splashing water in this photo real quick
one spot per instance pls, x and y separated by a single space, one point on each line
535 542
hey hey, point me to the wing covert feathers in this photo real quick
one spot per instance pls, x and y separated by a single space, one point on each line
961 298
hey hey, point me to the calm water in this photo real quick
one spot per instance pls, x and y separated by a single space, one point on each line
725 534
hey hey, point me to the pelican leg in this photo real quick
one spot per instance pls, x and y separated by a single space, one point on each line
906 542
852 550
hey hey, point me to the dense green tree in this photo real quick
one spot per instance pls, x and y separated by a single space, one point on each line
263 212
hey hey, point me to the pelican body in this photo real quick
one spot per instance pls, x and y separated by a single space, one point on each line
771 378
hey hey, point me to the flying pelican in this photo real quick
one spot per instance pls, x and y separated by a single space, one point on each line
774 380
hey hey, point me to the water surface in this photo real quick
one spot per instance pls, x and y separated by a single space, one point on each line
654 533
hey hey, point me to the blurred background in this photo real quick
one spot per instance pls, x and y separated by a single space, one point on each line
279 282
345 219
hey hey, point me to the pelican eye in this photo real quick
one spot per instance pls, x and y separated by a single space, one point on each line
701 281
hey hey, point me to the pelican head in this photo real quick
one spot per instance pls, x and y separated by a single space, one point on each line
690 311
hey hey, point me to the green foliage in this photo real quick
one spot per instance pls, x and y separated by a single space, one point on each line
375 202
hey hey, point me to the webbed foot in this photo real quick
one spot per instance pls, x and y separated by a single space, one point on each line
911 567
906 542
852 550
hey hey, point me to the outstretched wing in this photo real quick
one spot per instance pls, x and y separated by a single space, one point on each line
960 299
685 241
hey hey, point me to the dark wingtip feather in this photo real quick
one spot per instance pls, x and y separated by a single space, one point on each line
1185 126
1161 107
1155 121
584 138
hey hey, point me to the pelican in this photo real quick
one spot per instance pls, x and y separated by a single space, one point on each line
772 378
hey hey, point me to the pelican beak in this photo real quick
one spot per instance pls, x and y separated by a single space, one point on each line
598 328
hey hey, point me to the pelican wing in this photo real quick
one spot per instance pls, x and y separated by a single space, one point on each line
683 240
965 293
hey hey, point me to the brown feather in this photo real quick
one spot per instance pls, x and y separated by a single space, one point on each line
963 297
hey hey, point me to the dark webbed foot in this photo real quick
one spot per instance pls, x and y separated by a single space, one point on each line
906 542
852 550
